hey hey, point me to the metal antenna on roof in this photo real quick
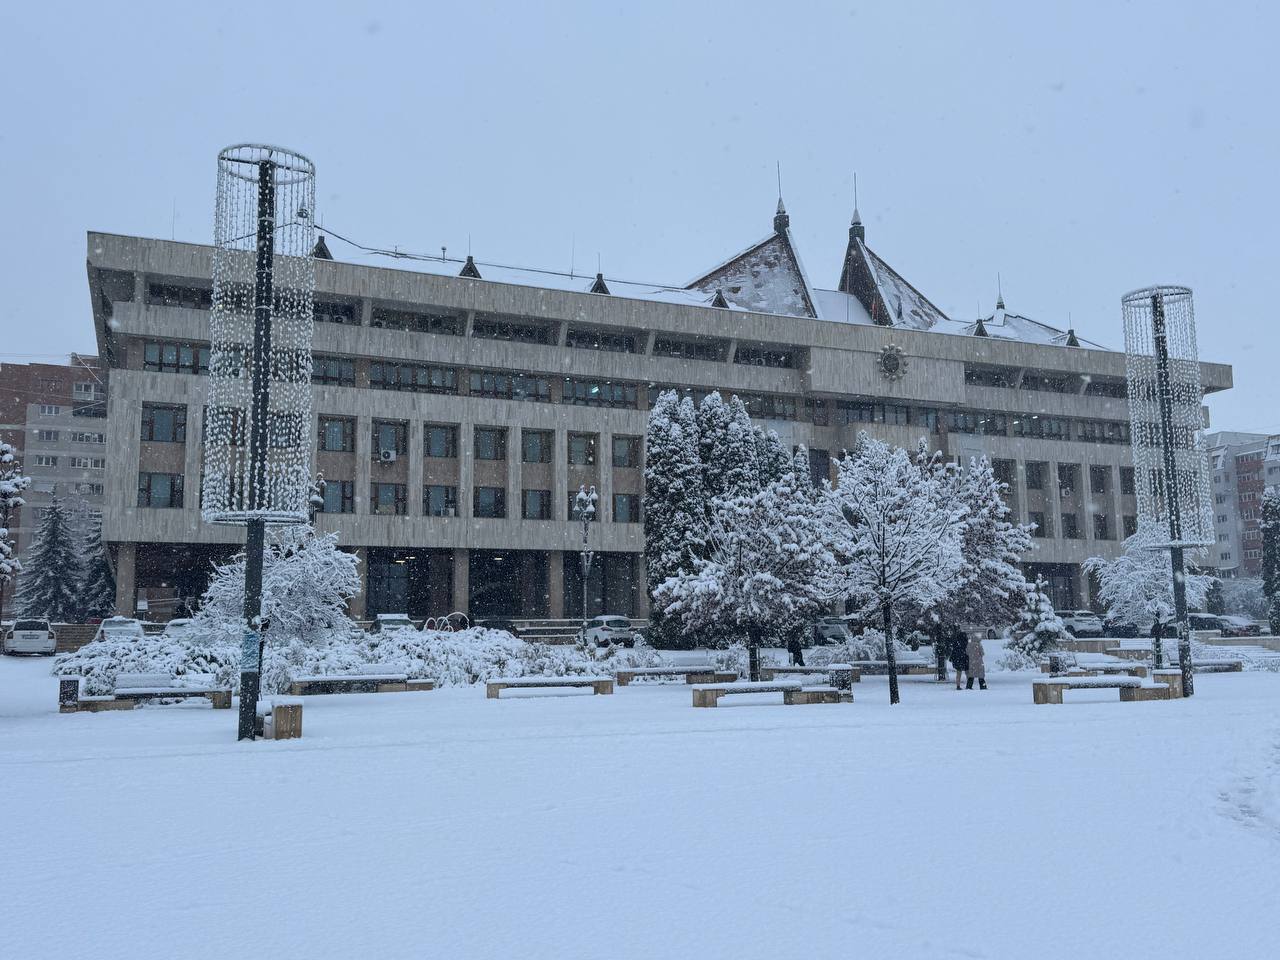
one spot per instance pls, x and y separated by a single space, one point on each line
573 252
599 269
779 165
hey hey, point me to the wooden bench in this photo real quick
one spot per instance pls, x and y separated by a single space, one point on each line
700 673
793 692
1096 669
1131 688
598 685
838 672
906 668
161 686
70 701
1218 666
368 678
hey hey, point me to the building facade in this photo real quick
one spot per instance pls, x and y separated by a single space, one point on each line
459 407
1243 465
55 415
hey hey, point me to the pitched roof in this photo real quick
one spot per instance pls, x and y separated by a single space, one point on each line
767 277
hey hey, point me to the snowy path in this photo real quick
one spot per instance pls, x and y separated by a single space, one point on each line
448 825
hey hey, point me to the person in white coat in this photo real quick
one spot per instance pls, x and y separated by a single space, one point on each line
977 669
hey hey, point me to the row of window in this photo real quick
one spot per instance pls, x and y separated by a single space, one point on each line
76 463
82 489
1102 526
1037 472
440 440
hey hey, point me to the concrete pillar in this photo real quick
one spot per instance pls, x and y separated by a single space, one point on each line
642 588
462 581
366 312
555 584
604 468
515 481
126 579
560 476
415 481
466 477
358 606
364 463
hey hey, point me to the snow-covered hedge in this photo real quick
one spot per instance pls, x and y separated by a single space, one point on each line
462 657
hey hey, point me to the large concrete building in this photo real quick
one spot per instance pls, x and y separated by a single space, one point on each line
1243 465
55 415
458 407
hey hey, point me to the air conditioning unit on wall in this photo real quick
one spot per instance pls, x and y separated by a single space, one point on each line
386 456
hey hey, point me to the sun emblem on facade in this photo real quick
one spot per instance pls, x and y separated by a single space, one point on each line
893 365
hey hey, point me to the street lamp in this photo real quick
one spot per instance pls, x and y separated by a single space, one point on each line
584 505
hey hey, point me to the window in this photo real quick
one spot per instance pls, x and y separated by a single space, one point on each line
1130 525
88 463
80 436
535 446
490 502
1068 478
229 423
855 411
626 508
490 443
47 436
176 295
765 357
49 410
1070 528
88 391
1126 481
768 406
388 499
536 504
1098 477
339 497
819 466
390 435
582 449
89 489
897 414
439 500
599 393
509 386
333 311
1005 472
1101 526
162 423
1038 521
160 490
440 440
1106 388
418 322
1225 555
44 460
164 357
412 377
338 435
521 331
333 371
599 340
626 451
1032 381
712 350
1035 474
991 376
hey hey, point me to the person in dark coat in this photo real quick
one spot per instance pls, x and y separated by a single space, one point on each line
958 652
796 651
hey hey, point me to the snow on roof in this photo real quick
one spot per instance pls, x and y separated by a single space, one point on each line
767 277
1013 326
910 308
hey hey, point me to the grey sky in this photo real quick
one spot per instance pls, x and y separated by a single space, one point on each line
1080 152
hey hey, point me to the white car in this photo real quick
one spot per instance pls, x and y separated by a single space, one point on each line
610 631
832 630
1081 623
30 636
387 622
119 628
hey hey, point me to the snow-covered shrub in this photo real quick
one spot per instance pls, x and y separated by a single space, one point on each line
734 658
100 661
868 645
1038 630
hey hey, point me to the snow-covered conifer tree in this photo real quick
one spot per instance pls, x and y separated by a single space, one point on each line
1138 585
727 448
98 593
51 578
896 534
1271 556
772 460
1039 628
991 587
768 566
12 483
674 507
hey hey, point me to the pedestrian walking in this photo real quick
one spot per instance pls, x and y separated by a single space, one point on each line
977 668
958 652
796 651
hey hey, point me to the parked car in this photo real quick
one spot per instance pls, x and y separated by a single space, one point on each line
1239 627
610 631
1082 623
386 622
121 628
832 630
1204 621
1121 628
30 636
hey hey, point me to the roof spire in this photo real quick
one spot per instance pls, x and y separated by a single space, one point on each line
979 329
781 222
1072 339
999 293
856 230
469 269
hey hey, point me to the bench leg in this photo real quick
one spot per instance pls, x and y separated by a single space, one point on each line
622 678
491 690
602 686
1044 693
705 698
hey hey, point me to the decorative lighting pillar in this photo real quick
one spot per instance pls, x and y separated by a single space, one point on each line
584 505
1162 363
257 449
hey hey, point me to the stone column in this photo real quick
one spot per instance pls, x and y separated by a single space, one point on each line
462 581
364 463
642 588
555 584
126 579
416 468
604 470
359 604
466 475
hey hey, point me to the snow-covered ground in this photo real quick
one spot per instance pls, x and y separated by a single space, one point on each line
634 826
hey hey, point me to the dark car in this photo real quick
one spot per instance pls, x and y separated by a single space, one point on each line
1239 627
1112 627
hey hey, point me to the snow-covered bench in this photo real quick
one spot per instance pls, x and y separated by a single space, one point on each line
597 684
1096 669
838 672
1131 688
698 673
161 686
793 692
1218 666
910 667
367 678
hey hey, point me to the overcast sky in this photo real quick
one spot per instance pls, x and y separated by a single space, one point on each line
1079 154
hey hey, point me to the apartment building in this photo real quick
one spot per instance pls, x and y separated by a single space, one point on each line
1243 466
459 406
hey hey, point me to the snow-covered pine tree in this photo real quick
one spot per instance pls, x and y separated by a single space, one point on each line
896 533
768 566
1271 556
50 584
727 449
1138 585
674 507
772 460
12 483
1039 629
98 593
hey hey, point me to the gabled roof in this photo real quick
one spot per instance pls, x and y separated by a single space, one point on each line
887 296
1013 326
767 277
